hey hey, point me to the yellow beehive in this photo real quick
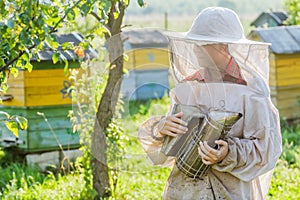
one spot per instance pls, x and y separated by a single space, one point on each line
147 59
41 87
284 74
148 64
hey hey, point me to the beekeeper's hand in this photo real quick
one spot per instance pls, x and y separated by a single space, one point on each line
210 155
172 125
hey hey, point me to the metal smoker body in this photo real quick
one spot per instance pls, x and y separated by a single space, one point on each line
213 126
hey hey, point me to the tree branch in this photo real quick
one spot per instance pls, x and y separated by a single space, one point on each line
99 19
118 22
96 16
126 25
111 17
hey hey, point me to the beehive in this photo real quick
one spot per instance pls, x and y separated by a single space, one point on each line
284 74
43 90
148 65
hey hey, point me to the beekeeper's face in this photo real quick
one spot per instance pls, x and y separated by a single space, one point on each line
218 53
213 55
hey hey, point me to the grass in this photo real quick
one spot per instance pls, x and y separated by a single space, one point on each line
137 178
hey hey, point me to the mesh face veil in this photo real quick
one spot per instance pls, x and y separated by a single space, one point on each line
191 61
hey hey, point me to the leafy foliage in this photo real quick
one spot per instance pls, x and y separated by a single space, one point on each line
291 145
29 26
285 183
14 122
293 8
26 28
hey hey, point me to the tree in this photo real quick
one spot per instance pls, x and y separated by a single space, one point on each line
293 8
110 96
28 26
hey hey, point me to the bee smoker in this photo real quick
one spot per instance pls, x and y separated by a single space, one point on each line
215 125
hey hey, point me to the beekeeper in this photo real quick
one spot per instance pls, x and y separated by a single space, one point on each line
214 66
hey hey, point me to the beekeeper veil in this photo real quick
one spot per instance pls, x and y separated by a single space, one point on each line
217 38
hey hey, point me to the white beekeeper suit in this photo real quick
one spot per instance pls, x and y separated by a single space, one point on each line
254 142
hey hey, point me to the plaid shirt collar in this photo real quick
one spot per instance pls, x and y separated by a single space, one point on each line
232 74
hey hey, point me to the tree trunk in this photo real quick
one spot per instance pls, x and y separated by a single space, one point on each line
108 100
105 113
